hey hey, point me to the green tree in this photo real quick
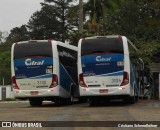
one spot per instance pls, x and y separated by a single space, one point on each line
43 24
62 10
139 21
97 11
18 34
51 21
5 69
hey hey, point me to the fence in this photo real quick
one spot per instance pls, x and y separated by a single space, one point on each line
6 92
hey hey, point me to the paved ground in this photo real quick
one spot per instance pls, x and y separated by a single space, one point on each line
144 110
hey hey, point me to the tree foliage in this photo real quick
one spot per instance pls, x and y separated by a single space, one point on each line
18 34
140 22
58 20
5 69
97 11
53 21
43 24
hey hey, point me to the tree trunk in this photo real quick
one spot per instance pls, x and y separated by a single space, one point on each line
80 16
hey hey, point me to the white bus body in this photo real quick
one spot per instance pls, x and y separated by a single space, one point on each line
44 70
105 70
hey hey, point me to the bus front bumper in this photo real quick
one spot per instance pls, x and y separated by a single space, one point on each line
36 93
108 91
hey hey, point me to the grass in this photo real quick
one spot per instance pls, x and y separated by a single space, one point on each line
10 99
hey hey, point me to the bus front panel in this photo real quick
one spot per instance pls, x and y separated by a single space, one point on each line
103 69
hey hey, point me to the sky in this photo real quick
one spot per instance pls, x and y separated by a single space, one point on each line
15 13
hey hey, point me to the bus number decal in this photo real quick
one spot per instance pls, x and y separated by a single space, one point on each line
116 80
41 82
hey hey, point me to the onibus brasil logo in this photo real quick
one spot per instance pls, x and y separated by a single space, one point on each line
30 62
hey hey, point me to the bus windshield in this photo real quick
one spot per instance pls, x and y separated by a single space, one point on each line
32 49
102 45
32 60
102 56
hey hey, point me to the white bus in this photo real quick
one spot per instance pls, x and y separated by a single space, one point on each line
107 68
44 70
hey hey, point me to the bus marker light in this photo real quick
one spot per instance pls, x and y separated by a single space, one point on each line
81 81
14 83
49 41
54 81
122 88
125 79
120 37
51 90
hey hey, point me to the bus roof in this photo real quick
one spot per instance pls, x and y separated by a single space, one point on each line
49 41
108 36
32 41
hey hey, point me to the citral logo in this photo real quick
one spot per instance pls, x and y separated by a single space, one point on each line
29 62
99 58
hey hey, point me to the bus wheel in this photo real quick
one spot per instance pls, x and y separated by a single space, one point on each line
82 99
92 102
35 102
72 95
70 99
132 100
126 100
137 98
59 101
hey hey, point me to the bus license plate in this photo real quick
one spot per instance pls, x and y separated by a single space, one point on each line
103 91
34 92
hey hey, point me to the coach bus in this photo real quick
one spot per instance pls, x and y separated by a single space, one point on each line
44 70
107 69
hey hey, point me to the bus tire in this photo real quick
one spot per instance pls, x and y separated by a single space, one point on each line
72 95
35 102
61 101
132 100
57 101
125 100
71 98
137 98
92 102
82 99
